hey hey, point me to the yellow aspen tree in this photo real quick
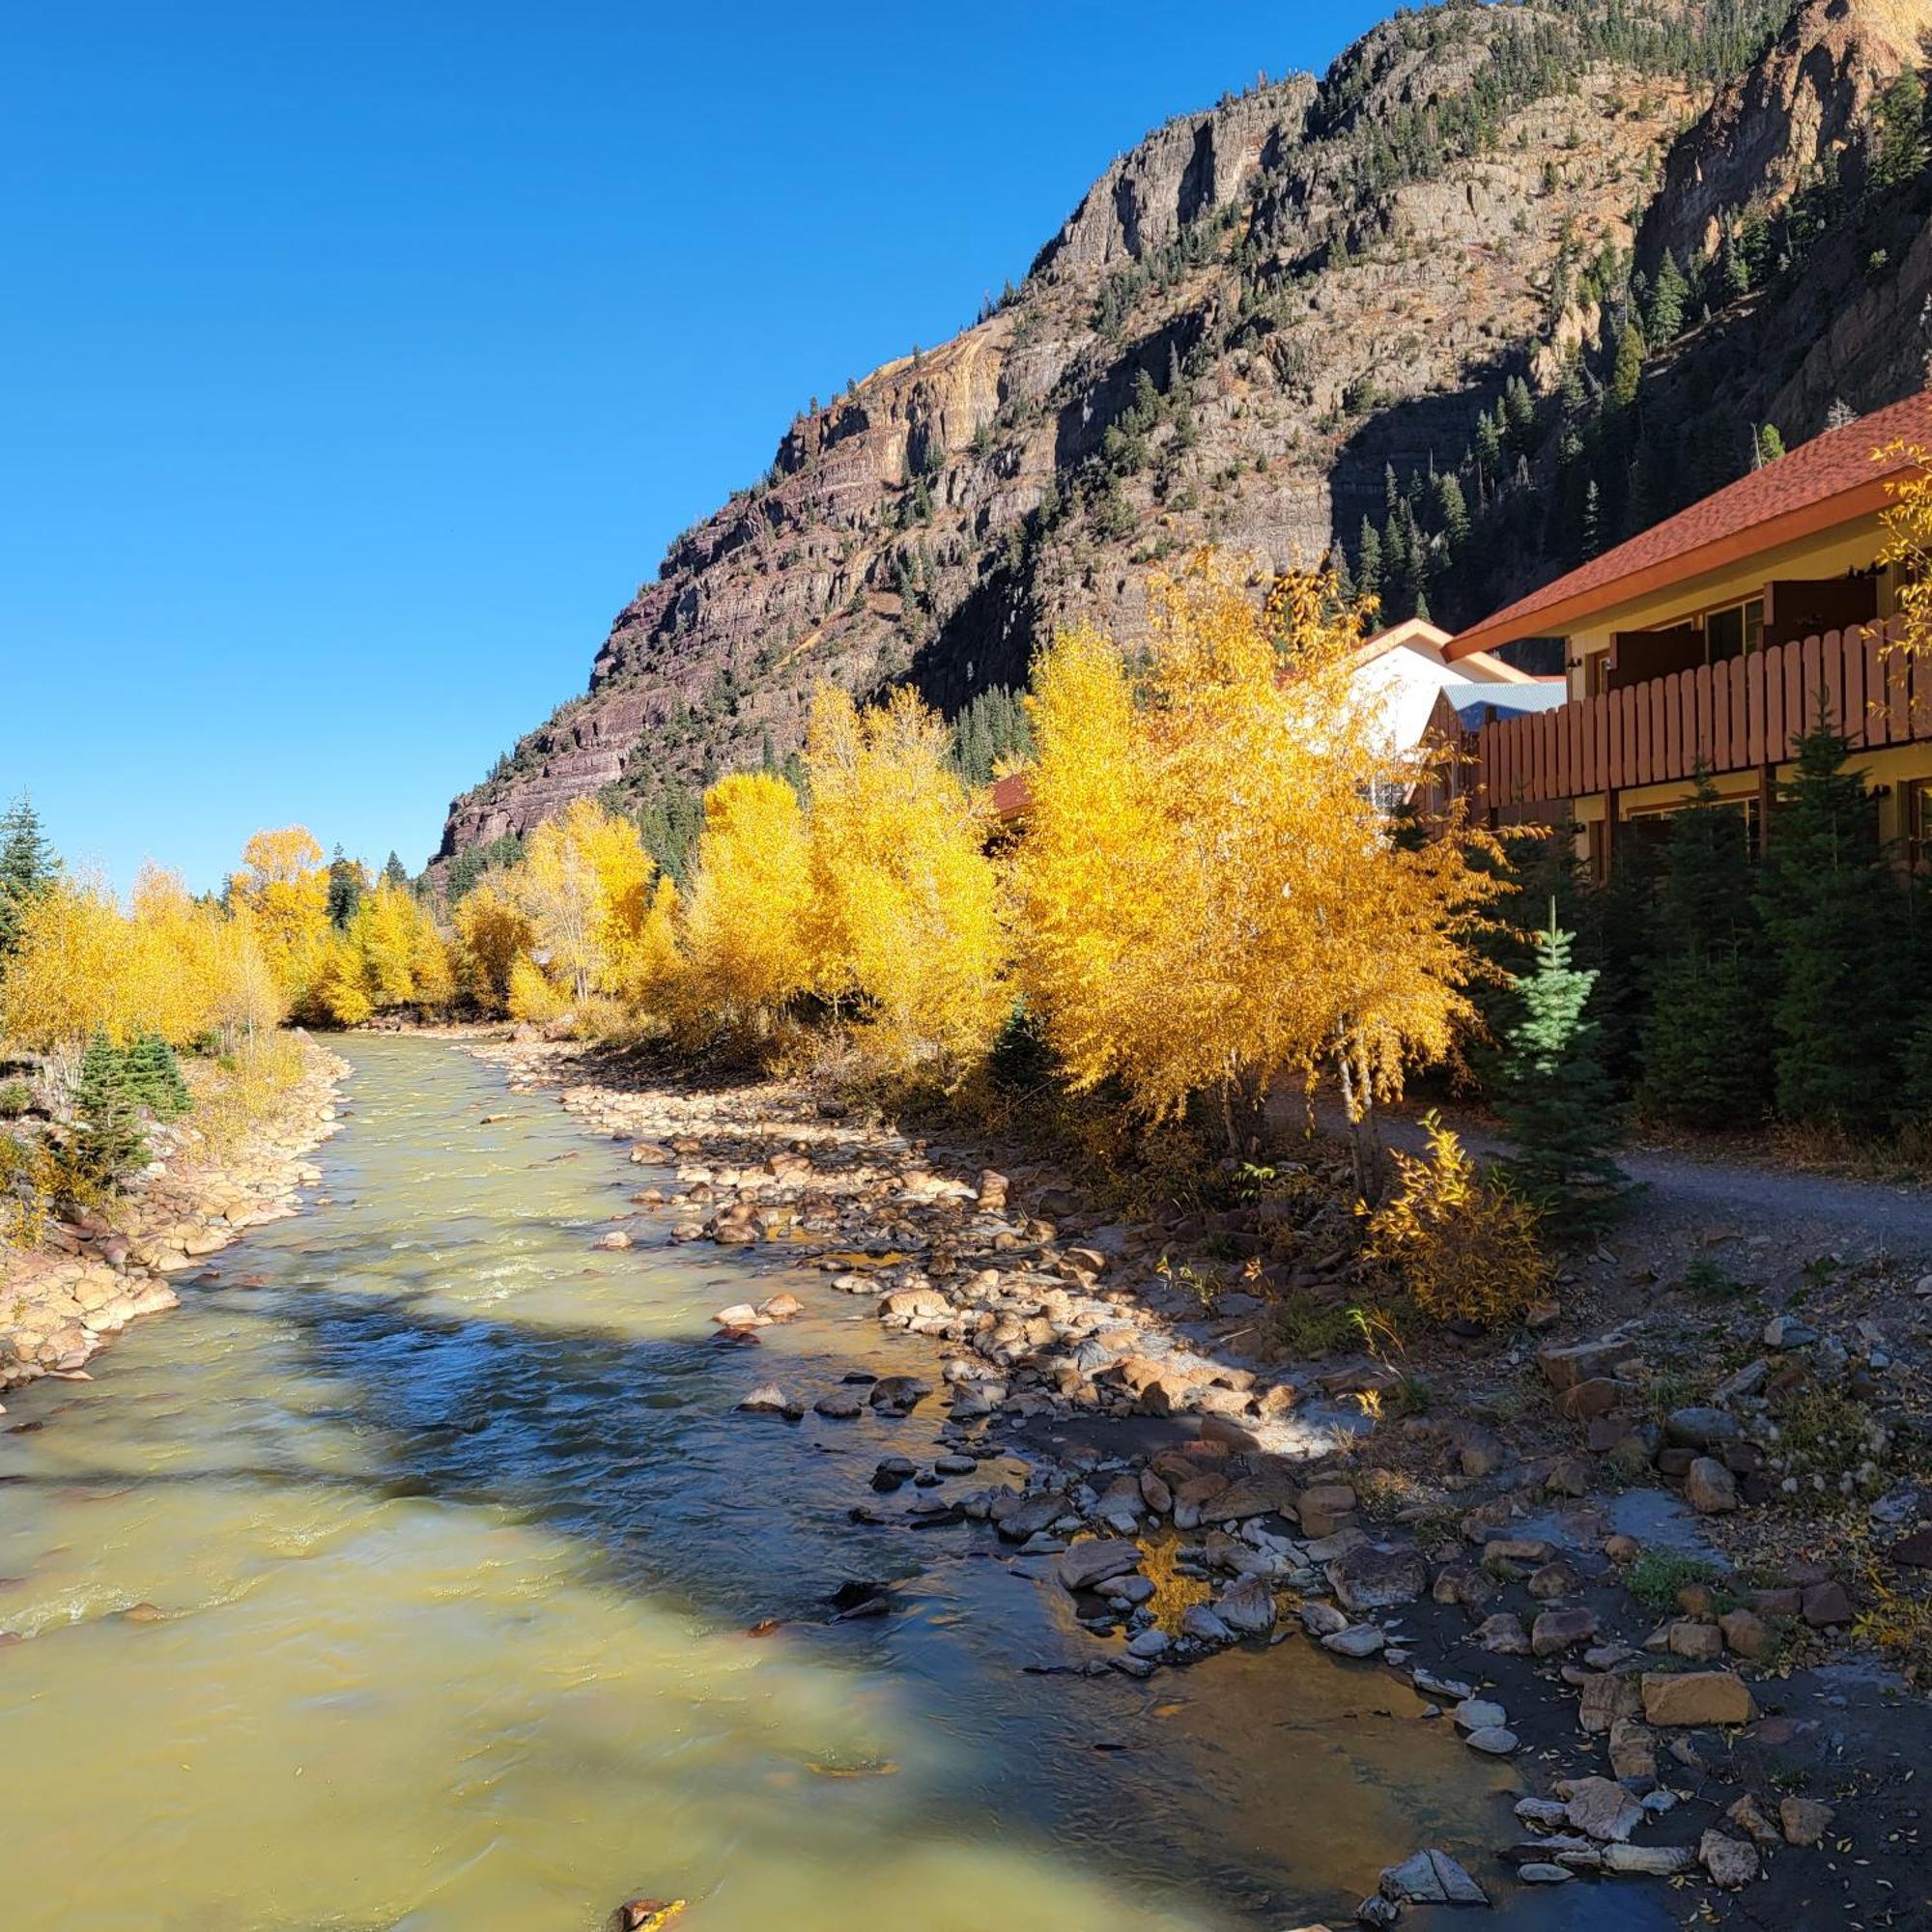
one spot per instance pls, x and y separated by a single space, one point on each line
905 916
72 970
586 886
284 885
1210 890
1907 522
493 932
745 921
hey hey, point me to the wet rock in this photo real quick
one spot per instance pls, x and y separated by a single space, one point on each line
899 1395
1431 1878
1201 1623
1538 1873
647 1915
615 1239
1319 1619
1369 1578
1028 1516
1093 1562
1493 1741
1150 1643
782 1307
1357 1641
1696 1697
894 1473
1247 1606
839 1405
1729 1861
769 1399
1478 1713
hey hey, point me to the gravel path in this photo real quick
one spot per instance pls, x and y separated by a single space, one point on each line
1677 1190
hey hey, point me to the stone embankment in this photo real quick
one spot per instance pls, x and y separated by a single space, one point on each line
90 1276
1536 1556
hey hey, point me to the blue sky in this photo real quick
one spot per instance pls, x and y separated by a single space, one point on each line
359 362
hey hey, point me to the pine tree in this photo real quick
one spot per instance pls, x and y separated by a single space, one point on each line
1833 914
155 1078
1590 539
394 870
27 864
1628 374
1701 1045
345 889
1451 509
1369 561
1665 318
1556 1100
1344 580
107 1137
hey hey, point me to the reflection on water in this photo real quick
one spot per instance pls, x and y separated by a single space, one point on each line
441 1549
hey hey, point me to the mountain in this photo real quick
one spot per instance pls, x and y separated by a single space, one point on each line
1508 282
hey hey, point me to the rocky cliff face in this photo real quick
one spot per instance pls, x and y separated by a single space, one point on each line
1247 325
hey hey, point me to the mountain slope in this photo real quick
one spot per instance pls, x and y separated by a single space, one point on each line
1285 321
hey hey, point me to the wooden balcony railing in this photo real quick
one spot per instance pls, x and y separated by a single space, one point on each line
1735 716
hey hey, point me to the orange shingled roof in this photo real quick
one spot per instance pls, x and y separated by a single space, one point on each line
1828 481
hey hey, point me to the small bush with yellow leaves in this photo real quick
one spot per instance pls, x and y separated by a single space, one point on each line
1466 1248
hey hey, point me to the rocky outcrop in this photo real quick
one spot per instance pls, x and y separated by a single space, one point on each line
1245 325
1803 107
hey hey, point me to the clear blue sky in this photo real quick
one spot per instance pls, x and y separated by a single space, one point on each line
359 362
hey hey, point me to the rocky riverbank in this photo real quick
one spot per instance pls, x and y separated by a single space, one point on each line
64 1300
1586 1555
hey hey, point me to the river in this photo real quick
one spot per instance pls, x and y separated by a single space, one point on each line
404 1578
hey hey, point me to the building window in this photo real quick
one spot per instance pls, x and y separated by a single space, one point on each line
1735 631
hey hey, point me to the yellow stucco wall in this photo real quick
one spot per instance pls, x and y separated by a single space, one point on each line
1852 546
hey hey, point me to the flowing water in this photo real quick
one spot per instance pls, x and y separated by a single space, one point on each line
411 1587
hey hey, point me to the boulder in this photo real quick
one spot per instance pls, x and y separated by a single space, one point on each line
1709 1488
1600 1808
1367 1579
769 1399
1696 1697
1247 1606
1557 1630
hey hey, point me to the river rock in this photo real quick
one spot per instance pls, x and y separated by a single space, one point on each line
1803 1821
1601 1809
769 1399
1431 1878
1696 1697
1556 1631
1357 1641
1709 1488
1730 1861
1648 1860
840 1404
1247 1606
1493 1741
1367 1579
1093 1562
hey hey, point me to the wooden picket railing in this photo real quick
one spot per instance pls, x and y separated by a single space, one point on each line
1735 716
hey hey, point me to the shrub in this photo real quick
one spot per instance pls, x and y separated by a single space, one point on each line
16 1098
1466 1248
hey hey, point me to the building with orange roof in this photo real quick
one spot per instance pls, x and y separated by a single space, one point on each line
1710 640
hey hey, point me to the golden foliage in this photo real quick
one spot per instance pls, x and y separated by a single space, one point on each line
586 886
493 932
904 919
746 923
389 955
1211 890
1907 522
283 889
532 995
173 965
1466 1248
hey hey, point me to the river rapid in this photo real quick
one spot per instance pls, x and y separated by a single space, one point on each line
404 1576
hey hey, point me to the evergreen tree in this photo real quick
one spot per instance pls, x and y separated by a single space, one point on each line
1488 452
1344 580
1590 539
27 864
345 889
155 1078
1629 371
394 870
1452 510
1768 445
1556 1100
107 1137
1901 132
1702 1047
1833 914
1519 415
1664 321
1369 561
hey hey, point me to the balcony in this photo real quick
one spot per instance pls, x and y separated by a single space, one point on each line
1741 714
